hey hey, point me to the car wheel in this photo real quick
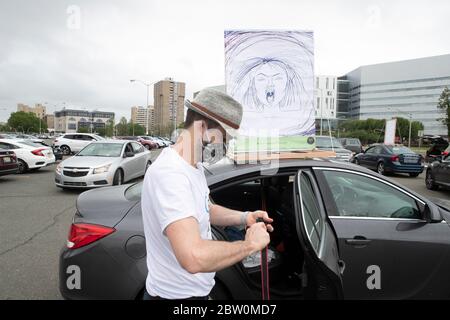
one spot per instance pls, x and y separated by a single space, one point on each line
413 175
65 150
429 182
147 146
23 167
380 168
118 178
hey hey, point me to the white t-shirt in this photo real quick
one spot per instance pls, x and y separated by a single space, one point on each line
173 190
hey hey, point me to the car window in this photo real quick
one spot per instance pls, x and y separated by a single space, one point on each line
136 147
353 142
360 196
311 212
129 148
7 146
370 150
69 136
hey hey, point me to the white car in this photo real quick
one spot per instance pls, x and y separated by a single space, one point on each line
74 142
30 156
103 163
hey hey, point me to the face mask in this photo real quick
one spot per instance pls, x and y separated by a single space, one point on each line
212 151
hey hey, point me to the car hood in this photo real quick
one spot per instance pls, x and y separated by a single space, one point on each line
91 162
105 206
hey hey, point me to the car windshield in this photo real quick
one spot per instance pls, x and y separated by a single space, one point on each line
353 142
326 142
399 149
102 150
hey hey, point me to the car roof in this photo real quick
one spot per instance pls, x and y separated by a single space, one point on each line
111 141
228 169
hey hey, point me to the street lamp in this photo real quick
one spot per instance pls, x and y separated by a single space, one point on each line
410 122
148 92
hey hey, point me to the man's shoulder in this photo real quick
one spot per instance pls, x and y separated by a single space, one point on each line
166 162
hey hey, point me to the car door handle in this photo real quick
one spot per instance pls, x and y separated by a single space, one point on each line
358 241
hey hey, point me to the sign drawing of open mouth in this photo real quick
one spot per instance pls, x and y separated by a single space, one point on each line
270 95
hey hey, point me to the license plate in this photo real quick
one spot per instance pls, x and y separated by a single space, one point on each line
410 160
7 160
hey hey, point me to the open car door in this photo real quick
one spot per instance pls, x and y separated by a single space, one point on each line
318 239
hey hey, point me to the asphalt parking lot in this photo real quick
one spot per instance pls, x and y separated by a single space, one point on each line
36 217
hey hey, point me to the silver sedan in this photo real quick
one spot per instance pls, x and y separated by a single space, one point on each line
103 163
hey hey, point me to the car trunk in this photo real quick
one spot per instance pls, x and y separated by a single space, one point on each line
104 206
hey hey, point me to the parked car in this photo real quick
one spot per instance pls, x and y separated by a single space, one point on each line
103 163
8 162
30 156
339 217
147 142
436 149
74 142
438 173
333 144
352 144
56 150
391 159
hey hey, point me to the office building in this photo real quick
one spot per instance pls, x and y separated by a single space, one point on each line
168 105
409 88
70 120
140 115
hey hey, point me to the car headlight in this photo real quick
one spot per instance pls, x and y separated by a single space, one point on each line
102 169
58 168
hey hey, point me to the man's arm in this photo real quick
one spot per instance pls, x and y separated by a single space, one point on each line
221 216
198 255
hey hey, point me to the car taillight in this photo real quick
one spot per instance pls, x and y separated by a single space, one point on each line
445 153
395 158
82 234
38 152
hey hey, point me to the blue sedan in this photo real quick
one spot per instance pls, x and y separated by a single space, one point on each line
391 159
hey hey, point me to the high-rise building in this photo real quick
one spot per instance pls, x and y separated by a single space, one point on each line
144 116
169 105
39 110
139 115
409 88
151 119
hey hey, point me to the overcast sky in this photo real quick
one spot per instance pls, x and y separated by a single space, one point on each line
84 53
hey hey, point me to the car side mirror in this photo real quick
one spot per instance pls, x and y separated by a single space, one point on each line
431 213
129 154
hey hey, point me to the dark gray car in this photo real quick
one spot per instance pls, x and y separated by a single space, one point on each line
341 231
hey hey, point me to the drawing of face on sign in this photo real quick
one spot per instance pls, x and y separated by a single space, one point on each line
270 81
271 73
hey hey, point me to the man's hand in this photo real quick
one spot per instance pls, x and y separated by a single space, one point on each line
257 237
252 216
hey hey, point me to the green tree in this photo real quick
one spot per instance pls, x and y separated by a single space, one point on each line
109 128
444 105
138 129
83 130
122 127
26 122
